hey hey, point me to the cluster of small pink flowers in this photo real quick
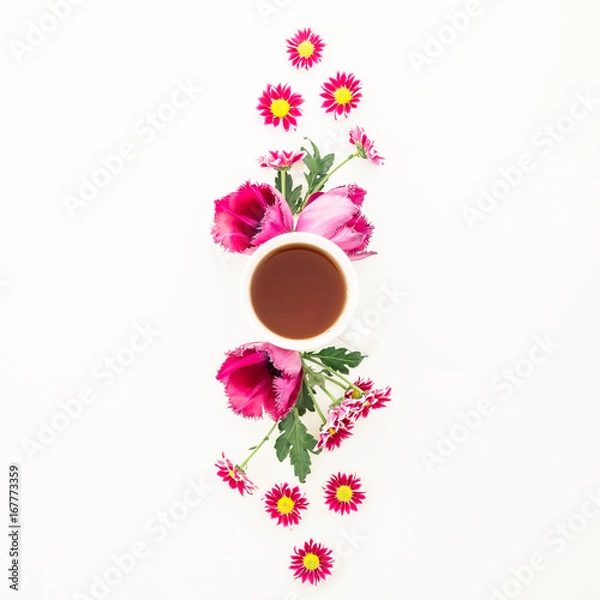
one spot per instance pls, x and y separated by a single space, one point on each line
279 105
355 405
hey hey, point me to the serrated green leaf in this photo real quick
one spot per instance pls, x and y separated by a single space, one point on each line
318 168
295 199
314 378
304 402
296 442
282 448
339 359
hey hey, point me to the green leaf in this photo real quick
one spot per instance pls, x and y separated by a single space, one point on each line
314 378
297 443
304 402
295 198
339 359
318 168
293 195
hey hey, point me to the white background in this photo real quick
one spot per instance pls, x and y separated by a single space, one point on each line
74 287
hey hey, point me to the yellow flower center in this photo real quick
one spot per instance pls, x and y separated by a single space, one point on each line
232 474
280 108
343 95
306 49
344 493
311 561
356 394
331 431
285 505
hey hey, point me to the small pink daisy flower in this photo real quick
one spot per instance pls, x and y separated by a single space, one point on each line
312 562
343 493
305 49
341 93
284 504
359 405
365 146
278 104
332 437
366 385
234 476
280 159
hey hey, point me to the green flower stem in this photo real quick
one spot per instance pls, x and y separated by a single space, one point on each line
326 178
283 183
257 448
339 375
334 400
344 387
316 404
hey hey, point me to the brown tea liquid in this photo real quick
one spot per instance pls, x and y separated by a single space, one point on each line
298 292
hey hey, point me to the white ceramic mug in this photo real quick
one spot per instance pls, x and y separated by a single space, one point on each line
336 255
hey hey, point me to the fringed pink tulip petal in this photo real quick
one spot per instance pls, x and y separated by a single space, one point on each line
337 215
287 361
286 394
249 216
278 219
325 215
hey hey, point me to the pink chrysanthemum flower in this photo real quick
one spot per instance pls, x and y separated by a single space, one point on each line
234 476
280 159
278 104
305 49
313 562
332 436
360 405
365 146
343 493
341 93
284 504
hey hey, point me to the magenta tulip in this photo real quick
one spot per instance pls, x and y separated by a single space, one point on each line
261 378
337 215
250 216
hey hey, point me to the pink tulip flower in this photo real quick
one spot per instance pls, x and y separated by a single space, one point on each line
337 215
261 378
250 216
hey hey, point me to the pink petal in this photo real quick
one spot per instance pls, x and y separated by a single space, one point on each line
286 393
249 390
326 214
286 361
278 219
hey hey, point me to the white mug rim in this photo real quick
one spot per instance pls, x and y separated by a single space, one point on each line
334 253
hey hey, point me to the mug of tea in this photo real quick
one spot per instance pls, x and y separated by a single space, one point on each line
299 290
